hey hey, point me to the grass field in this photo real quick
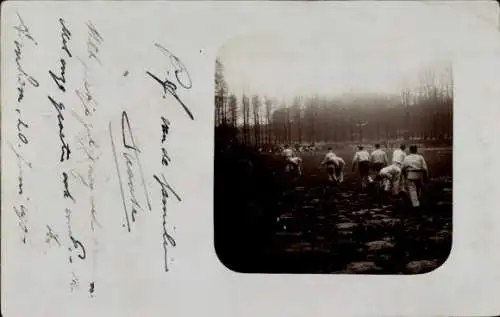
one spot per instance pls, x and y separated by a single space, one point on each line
265 224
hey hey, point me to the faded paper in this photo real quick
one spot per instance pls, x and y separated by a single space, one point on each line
107 161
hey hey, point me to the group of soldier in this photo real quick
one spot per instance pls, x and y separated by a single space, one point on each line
406 173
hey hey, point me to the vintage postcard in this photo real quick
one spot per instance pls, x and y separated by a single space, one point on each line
250 158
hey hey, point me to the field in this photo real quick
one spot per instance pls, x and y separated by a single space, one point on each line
266 224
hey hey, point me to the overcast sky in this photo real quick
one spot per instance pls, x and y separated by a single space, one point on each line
384 59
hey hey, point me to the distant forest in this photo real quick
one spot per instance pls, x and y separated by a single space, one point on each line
424 112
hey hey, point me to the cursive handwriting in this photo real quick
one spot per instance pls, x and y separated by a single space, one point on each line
94 40
21 125
167 238
66 193
22 29
75 282
23 80
165 159
87 100
115 156
165 125
180 71
182 78
75 245
129 163
79 246
65 150
22 221
87 143
130 156
51 236
21 211
165 189
88 146
129 143
60 79
65 36
20 162
22 76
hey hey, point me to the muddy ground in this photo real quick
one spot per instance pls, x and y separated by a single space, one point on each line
266 224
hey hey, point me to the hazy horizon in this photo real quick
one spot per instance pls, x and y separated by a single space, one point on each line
284 70
381 61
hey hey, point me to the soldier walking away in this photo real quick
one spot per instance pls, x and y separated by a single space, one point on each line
416 173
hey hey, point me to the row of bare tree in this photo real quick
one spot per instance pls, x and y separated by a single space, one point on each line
425 112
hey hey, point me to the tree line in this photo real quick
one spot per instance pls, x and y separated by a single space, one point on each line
424 112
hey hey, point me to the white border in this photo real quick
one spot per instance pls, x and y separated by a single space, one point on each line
467 284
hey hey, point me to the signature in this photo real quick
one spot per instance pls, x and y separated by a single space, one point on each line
167 238
131 157
181 75
129 143
22 76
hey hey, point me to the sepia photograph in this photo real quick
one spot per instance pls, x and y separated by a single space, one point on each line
333 153
250 159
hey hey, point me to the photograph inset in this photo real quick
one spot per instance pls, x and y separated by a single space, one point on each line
331 159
